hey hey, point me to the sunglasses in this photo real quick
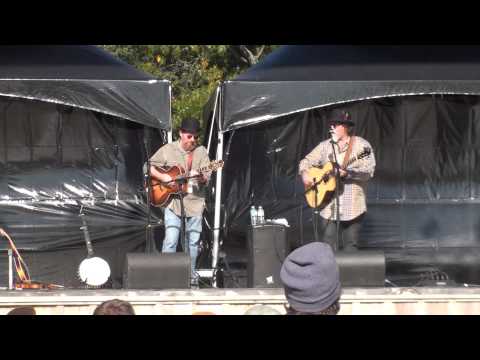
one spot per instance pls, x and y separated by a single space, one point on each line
189 137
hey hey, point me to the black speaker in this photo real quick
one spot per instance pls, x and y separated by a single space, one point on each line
361 268
267 248
157 271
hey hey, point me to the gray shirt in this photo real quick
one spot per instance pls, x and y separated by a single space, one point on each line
173 154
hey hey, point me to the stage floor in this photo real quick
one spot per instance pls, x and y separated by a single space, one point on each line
354 301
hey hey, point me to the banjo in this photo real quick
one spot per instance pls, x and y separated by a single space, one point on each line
93 271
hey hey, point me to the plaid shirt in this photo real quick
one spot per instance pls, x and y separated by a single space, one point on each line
353 192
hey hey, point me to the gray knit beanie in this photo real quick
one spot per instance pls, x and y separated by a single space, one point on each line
311 278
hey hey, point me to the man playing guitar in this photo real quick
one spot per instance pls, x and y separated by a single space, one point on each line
186 154
354 178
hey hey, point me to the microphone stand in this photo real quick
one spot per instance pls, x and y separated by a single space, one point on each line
315 210
186 247
337 181
149 244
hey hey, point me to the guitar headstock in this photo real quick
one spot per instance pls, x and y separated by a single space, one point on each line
364 153
214 165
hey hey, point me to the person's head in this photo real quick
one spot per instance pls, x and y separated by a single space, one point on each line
23 310
311 280
262 310
189 132
114 307
341 123
208 313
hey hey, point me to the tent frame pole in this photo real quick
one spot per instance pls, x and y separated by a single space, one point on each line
170 132
218 193
213 119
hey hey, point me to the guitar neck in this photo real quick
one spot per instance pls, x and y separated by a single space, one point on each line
207 168
86 236
203 169
355 158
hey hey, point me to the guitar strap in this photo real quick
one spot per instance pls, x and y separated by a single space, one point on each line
349 152
189 161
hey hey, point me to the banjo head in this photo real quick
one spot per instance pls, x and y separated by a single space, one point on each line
94 271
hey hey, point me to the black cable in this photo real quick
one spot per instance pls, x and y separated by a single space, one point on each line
432 275
390 283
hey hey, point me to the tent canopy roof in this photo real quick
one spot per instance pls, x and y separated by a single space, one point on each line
64 62
86 77
301 77
357 63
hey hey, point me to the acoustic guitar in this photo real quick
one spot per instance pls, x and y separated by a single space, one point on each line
161 192
321 191
24 281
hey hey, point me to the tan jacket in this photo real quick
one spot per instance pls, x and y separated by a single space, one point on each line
173 154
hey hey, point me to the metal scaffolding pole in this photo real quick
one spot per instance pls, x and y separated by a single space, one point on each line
218 192
169 133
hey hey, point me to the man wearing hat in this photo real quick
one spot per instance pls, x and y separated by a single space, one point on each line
311 280
353 180
186 153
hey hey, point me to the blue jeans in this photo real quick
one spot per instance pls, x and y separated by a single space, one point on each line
193 229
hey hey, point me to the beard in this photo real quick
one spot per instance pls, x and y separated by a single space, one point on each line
189 146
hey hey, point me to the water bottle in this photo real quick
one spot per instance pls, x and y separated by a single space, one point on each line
253 215
261 215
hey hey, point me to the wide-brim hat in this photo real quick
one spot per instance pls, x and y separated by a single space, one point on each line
190 125
341 117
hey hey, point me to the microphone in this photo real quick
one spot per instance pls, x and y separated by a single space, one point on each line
333 135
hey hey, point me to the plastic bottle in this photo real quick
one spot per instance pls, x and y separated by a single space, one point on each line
261 215
253 216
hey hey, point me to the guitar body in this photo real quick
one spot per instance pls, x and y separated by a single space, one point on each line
160 192
324 189
324 178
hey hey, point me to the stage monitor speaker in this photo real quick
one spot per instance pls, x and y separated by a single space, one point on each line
361 268
267 248
156 271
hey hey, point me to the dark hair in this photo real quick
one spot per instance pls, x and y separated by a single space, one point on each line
114 307
331 310
350 128
23 310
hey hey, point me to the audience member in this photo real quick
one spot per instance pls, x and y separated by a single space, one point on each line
311 280
23 310
203 313
262 310
114 307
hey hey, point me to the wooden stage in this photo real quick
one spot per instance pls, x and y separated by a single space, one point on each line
354 301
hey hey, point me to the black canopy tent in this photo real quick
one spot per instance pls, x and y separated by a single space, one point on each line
77 126
85 77
418 107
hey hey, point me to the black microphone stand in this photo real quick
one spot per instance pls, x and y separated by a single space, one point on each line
315 210
337 200
149 244
185 246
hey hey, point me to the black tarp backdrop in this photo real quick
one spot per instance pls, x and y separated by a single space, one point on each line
424 199
78 135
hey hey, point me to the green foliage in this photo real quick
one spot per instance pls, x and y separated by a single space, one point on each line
194 70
